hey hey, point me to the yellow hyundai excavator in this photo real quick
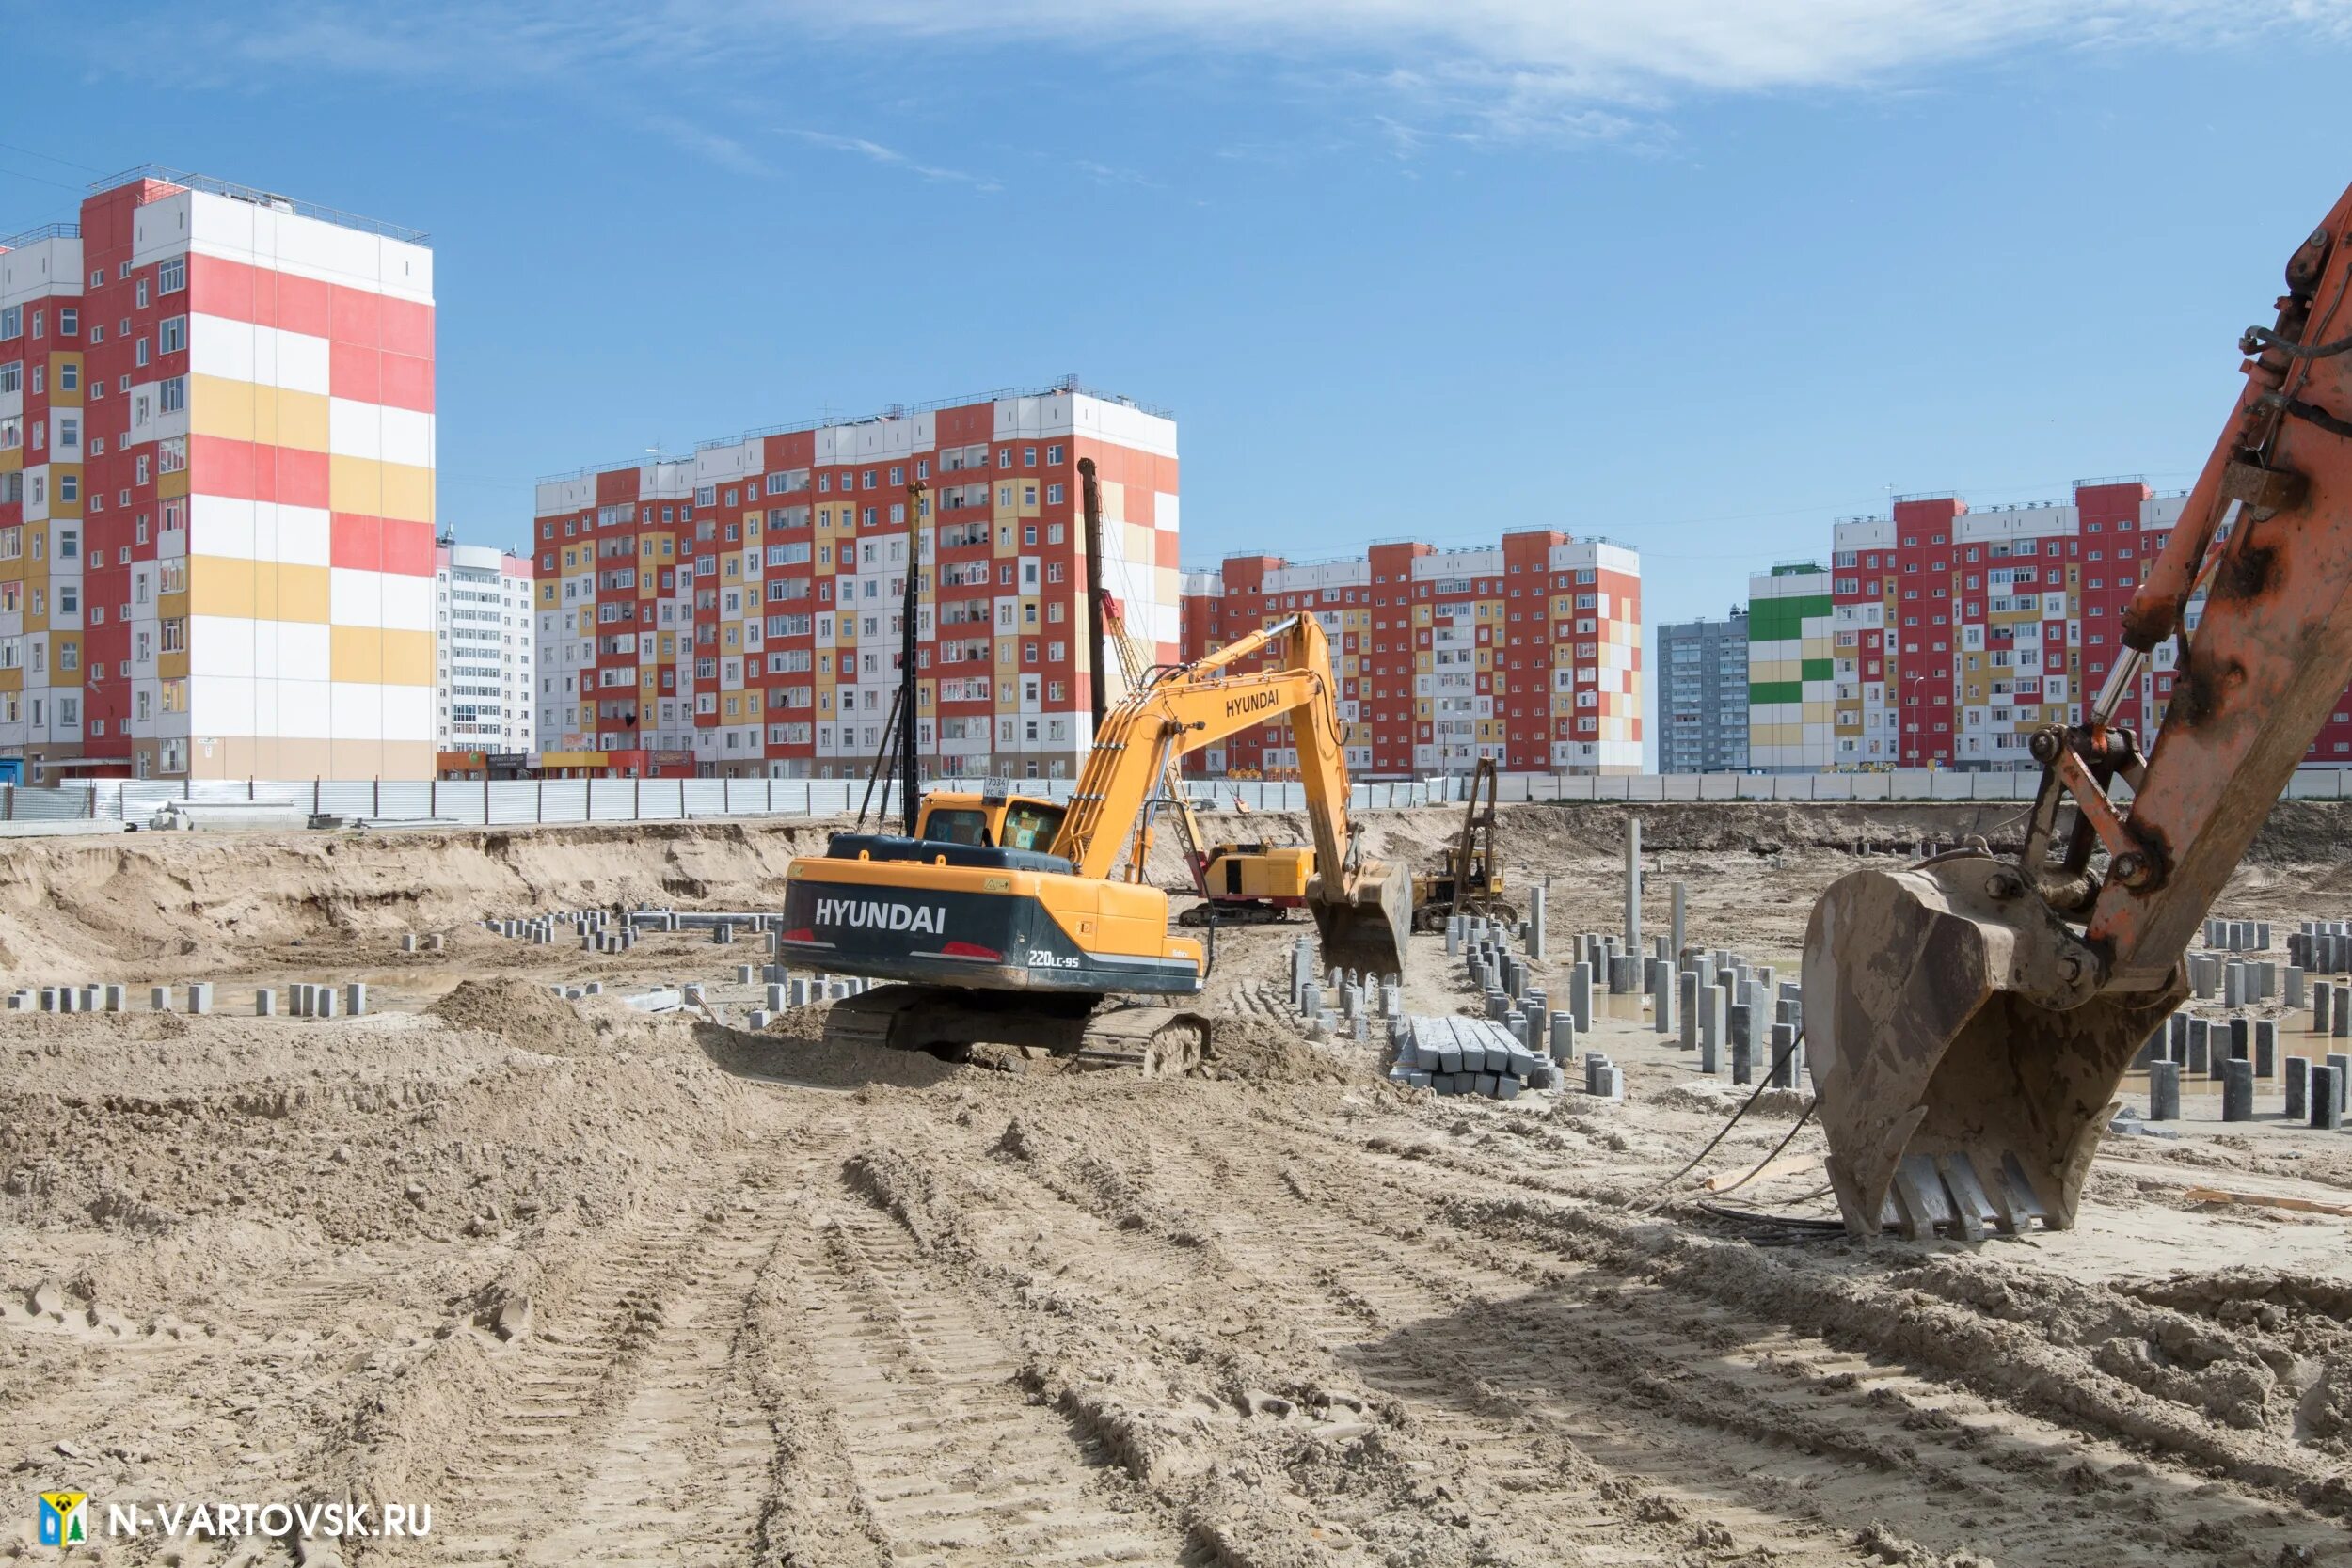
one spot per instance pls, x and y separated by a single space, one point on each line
1016 921
1970 1019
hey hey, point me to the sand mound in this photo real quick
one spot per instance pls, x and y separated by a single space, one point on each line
523 1014
1255 1051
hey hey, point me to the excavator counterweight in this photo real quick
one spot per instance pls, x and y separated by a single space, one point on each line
1970 1019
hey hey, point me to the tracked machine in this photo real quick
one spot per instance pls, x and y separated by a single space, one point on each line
1970 1019
1015 921
1470 880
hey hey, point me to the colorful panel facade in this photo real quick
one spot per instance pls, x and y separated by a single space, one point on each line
1529 652
225 514
737 614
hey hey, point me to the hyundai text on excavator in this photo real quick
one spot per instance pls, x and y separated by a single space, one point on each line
1015 921
1970 1019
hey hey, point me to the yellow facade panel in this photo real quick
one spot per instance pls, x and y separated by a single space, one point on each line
257 590
374 489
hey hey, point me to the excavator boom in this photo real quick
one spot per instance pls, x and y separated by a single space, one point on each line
1975 1016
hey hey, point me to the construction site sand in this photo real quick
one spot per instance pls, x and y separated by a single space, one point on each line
605 1287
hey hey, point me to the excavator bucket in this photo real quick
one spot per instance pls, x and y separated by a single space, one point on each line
1361 916
1964 1060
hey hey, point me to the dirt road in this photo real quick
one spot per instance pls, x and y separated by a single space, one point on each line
604 1288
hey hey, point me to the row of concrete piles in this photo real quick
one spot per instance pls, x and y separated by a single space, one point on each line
2241 1053
303 1000
1340 1004
617 931
780 990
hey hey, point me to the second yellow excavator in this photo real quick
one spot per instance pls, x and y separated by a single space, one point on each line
1014 919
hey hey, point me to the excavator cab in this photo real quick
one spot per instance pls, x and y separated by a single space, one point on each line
994 819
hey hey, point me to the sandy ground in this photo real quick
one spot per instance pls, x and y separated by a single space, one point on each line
604 1288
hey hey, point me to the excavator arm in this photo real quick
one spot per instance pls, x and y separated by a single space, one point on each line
1360 908
1970 1019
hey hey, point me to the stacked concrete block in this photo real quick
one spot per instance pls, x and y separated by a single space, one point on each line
2299 1088
2326 1110
200 997
1473 1056
2163 1092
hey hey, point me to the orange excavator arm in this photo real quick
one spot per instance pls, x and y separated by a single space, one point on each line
1970 1019
1189 706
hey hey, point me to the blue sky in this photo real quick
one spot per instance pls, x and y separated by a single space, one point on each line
1694 275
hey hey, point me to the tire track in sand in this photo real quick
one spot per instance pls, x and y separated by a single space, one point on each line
627 1444
1767 1411
952 1463
1515 1494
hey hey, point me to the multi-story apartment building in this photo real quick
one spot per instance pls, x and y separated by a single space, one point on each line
1948 636
1528 652
484 697
739 612
216 488
1792 680
1702 670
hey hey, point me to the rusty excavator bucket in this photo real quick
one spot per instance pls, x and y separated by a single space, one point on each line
1361 916
1964 1060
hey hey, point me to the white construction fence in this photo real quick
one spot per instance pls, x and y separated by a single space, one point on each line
527 801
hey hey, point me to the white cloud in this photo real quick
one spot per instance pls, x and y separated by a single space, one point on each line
1465 69
720 148
877 152
1614 50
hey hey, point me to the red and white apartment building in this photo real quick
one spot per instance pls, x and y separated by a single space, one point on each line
1528 652
217 488
737 612
1958 632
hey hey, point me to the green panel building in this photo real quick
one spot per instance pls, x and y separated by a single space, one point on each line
1791 671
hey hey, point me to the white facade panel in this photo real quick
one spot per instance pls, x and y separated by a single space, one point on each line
223 646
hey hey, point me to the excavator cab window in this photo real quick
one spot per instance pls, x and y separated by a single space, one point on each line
1030 824
952 825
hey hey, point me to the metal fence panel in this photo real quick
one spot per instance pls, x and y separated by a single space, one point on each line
48 803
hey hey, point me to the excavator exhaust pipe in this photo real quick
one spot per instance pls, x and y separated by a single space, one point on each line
1361 917
1963 1059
